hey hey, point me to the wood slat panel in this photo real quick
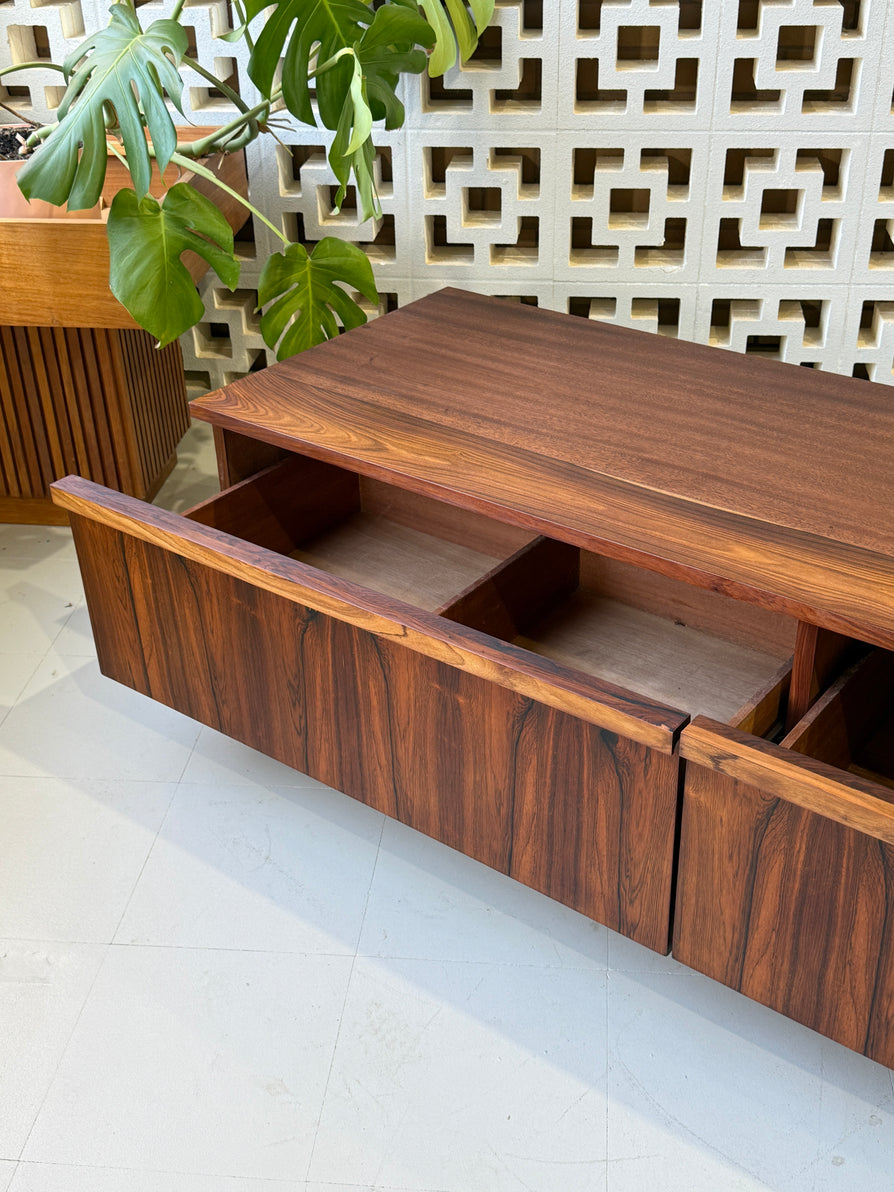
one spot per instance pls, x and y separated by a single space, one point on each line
522 787
96 402
157 400
789 908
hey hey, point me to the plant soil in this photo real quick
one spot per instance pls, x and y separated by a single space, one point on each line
12 140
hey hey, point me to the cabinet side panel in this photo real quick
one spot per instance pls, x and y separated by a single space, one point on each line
578 813
789 908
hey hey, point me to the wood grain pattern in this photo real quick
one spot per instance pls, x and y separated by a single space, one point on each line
55 266
523 588
450 522
846 799
832 583
239 456
745 624
649 410
103 403
819 657
283 504
559 804
605 704
765 711
788 907
848 715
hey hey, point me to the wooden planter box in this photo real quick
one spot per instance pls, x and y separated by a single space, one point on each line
82 388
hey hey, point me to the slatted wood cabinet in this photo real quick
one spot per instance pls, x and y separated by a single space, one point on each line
608 612
82 388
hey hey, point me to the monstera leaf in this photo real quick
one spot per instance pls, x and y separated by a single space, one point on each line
117 77
359 55
146 240
304 300
330 25
386 49
455 26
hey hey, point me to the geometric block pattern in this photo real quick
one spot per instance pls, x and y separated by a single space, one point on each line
722 173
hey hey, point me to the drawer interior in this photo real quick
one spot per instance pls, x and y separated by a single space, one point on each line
851 726
396 542
693 649
690 648
409 546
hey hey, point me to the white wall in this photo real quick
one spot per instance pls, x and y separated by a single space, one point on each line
729 178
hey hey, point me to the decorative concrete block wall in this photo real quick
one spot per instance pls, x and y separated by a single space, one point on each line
722 172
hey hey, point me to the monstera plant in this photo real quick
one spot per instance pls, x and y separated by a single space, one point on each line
122 81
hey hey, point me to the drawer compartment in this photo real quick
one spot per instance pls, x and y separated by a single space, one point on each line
561 780
786 872
692 649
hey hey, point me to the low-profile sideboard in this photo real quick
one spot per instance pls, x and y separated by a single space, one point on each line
611 613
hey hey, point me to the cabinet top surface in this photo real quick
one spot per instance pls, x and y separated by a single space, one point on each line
551 416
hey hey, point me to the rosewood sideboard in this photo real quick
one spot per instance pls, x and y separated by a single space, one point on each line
609 612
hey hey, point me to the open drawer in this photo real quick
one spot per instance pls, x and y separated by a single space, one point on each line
236 615
510 695
786 871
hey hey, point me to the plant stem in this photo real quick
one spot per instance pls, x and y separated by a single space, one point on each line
246 36
30 66
248 117
231 95
178 9
197 168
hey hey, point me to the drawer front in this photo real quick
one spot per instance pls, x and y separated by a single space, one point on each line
438 726
786 885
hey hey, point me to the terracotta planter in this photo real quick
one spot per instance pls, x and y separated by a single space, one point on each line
82 389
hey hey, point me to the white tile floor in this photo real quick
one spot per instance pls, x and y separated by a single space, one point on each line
218 976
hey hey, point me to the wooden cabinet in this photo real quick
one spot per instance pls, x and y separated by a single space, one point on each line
539 587
82 388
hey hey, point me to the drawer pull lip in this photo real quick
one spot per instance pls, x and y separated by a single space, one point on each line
598 702
845 798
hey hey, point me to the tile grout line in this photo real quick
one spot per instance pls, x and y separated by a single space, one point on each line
608 977
64 1050
164 819
341 1017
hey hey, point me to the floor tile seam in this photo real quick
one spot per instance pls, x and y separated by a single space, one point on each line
149 852
597 967
607 1089
303 953
341 1016
662 1115
15 702
63 1052
288 1182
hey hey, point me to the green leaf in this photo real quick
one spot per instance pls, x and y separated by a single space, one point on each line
388 50
117 78
331 25
385 51
303 296
146 240
461 24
